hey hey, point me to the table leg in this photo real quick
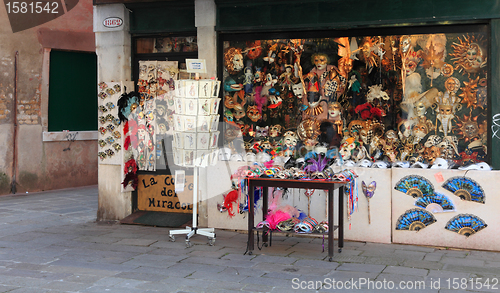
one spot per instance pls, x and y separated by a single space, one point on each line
330 224
341 218
264 211
251 224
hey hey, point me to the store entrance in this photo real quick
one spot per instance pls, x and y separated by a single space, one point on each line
158 61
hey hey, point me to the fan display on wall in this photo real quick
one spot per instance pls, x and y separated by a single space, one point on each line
415 186
436 203
465 188
465 224
415 220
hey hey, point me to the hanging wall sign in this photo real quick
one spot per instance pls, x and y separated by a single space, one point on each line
157 193
112 22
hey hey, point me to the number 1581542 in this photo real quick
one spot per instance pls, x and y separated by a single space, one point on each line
15 7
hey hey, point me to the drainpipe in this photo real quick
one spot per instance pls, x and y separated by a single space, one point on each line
14 141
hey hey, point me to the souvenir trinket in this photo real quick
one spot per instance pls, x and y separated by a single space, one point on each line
102 155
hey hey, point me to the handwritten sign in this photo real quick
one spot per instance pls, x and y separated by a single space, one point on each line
196 66
157 193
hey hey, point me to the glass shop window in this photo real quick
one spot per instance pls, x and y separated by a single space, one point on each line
158 62
394 98
166 45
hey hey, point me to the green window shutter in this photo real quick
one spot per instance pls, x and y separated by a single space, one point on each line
72 91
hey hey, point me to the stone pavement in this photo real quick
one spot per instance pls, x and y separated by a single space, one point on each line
50 242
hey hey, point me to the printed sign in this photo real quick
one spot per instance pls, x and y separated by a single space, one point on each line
157 193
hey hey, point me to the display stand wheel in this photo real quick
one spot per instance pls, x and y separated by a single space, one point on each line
340 250
188 243
171 238
211 241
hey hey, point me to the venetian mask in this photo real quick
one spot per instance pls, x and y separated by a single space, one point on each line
298 90
345 151
224 154
391 136
420 109
470 129
250 157
290 139
405 44
308 129
334 111
430 154
238 112
320 61
266 145
253 50
445 110
369 190
229 102
275 130
420 130
262 131
233 60
410 67
253 113
274 101
452 84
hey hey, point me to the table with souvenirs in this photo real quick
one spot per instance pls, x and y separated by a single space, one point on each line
256 180
308 224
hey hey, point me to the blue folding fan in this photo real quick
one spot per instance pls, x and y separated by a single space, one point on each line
415 220
435 203
465 224
465 188
414 185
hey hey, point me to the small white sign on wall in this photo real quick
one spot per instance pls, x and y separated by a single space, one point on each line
112 22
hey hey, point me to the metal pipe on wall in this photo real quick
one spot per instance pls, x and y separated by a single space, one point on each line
14 140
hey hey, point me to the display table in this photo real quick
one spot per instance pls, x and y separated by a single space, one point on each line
304 184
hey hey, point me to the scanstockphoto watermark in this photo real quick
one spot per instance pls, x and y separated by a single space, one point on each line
356 284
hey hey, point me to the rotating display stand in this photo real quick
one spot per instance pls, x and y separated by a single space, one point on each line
195 138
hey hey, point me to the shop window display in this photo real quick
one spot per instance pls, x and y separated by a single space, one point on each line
396 98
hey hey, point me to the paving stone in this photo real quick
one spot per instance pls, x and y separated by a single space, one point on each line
430 265
433 257
266 281
348 258
351 275
248 272
83 278
390 261
465 269
405 271
316 264
274 259
403 282
219 262
446 274
462 261
367 268
219 277
66 286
